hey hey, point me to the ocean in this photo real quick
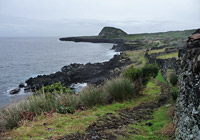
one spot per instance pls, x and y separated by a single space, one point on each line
22 58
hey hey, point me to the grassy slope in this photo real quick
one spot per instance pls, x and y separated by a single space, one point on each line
59 125
162 35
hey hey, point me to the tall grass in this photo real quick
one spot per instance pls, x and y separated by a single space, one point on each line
120 89
35 106
92 96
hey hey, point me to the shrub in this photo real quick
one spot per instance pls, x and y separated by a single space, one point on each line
11 117
56 88
66 103
141 76
173 79
91 96
174 93
120 89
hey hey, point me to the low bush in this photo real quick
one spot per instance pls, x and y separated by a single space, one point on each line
173 79
141 76
120 89
91 96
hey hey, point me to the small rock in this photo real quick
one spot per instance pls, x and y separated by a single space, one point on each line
15 91
21 85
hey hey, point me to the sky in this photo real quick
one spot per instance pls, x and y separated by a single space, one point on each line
88 17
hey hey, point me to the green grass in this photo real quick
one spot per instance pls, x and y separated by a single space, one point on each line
137 57
61 124
163 35
157 51
160 77
144 132
169 55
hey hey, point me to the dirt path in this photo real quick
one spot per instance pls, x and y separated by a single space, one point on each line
100 129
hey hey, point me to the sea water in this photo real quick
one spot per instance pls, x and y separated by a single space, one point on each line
25 57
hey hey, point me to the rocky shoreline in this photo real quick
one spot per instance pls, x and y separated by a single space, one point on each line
81 73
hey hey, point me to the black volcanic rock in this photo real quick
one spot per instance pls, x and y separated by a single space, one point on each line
79 73
91 39
21 85
15 91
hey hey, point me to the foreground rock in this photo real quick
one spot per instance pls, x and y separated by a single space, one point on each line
79 73
187 115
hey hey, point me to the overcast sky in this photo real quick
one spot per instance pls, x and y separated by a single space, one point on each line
88 17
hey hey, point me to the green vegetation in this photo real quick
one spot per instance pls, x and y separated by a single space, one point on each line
169 55
141 76
137 57
63 124
92 96
160 77
56 88
36 105
172 35
174 92
54 100
173 79
156 51
120 89
151 129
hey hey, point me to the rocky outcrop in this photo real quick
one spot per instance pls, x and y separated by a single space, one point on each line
79 73
111 32
187 114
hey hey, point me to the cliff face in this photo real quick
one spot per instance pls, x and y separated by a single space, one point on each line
187 114
111 32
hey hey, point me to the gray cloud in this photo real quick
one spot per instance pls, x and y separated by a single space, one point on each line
87 17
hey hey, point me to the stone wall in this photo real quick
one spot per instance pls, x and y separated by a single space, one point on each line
187 113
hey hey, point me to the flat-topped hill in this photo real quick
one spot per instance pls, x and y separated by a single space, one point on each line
111 32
